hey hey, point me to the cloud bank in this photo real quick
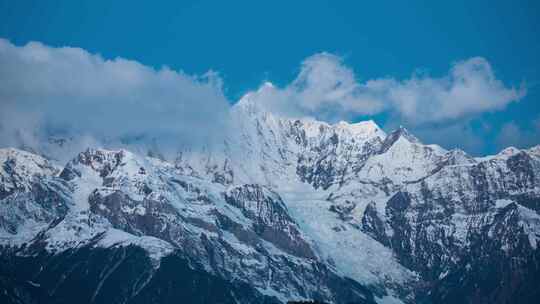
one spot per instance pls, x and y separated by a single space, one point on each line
70 93
46 90
327 89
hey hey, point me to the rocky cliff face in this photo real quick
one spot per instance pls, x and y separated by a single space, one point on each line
470 230
284 209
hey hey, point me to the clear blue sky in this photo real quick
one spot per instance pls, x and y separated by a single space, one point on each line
248 42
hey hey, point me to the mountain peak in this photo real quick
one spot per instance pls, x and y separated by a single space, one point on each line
366 128
99 160
509 151
248 99
399 133
18 168
534 150
267 84
25 163
403 132
503 154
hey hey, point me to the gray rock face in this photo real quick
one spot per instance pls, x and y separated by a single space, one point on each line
327 159
98 160
29 198
454 224
271 222
22 170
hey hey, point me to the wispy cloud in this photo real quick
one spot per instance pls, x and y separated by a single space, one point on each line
469 88
512 134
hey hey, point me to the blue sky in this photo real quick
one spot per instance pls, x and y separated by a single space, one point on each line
249 42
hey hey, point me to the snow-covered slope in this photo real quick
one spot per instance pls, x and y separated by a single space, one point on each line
240 233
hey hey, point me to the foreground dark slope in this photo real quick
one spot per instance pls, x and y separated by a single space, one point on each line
114 275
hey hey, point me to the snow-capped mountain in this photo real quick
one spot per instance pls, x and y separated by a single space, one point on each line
283 209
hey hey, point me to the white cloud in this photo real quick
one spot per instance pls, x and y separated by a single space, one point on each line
511 134
327 89
46 90
49 91
469 88
325 83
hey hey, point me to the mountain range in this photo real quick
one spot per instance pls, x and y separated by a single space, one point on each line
283 209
